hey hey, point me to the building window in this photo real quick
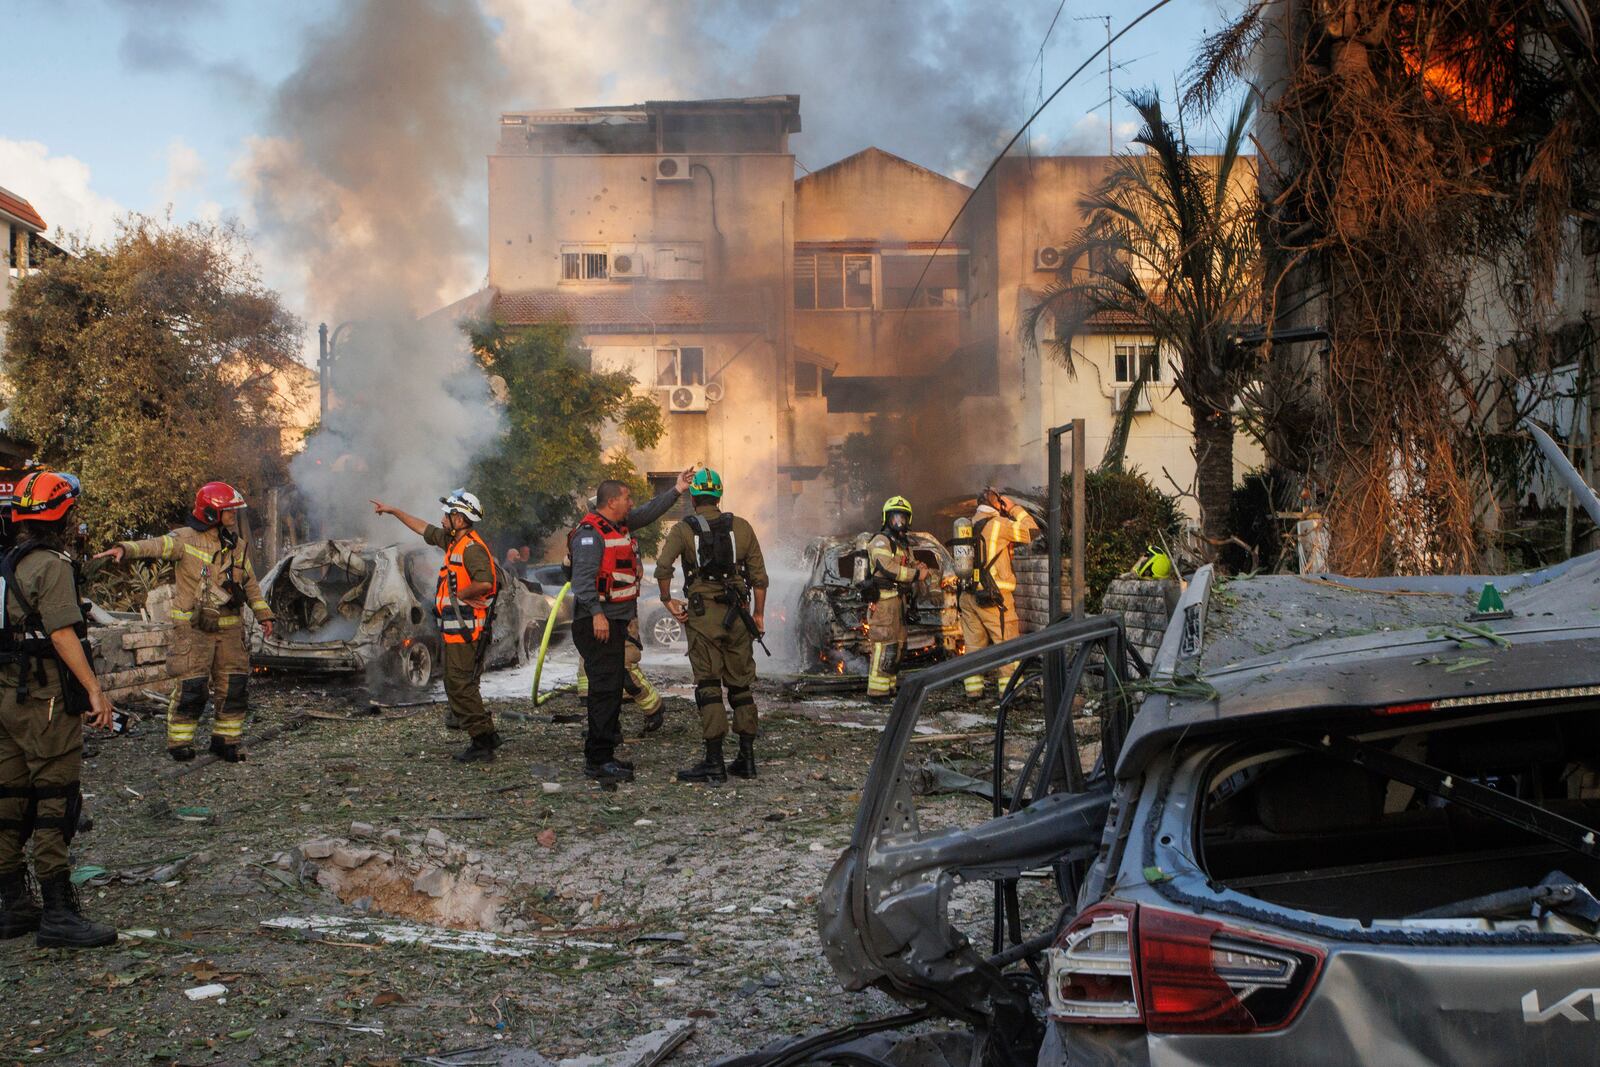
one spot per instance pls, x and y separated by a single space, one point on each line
680 366
1137 361
943 280
810 379
832 281
580 263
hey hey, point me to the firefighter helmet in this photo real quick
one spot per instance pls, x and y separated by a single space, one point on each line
44 496
706 482
464 504
896 503
213 499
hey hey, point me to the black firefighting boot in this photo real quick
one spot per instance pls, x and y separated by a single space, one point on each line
229 752
481 750
745 765
654 721
19 914
63 925
709 770
181 753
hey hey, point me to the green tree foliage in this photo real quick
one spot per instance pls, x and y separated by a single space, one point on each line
1171 242
148 367
1126 514
557 416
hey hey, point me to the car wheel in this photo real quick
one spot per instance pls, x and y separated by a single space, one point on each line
416 665
665 631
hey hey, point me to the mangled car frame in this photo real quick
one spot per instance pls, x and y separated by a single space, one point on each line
1342 821
833 612
347 607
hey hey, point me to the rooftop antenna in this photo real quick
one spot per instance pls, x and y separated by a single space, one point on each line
1111 96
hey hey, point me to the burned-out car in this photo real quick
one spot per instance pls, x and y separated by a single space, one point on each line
349 607
1342 821
833 613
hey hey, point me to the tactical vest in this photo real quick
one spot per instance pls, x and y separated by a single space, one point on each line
461 623
25 643
618 580
715 557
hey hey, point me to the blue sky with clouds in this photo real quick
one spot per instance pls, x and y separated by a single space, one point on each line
116 105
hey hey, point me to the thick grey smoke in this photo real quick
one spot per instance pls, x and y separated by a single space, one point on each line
369 188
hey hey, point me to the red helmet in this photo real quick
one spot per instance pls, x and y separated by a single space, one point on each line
44 496
213 499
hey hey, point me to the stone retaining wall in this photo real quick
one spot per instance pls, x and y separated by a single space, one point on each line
1145 606
131 657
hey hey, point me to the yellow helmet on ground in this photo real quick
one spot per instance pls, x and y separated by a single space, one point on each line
897 503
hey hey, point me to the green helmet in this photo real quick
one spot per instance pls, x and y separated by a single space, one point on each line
896 503
706 482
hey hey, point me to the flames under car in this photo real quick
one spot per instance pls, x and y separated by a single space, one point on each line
348 607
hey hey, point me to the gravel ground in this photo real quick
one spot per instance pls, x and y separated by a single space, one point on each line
735 870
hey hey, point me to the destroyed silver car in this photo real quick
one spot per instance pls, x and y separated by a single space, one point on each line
347 607
833 613
1352 822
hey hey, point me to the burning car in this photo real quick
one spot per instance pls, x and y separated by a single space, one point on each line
833 614
348 607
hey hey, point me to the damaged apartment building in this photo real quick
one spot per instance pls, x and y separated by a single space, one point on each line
773 317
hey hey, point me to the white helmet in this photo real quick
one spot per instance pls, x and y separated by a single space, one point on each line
464 504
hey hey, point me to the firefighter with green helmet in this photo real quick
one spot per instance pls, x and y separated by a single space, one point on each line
892 572
725 586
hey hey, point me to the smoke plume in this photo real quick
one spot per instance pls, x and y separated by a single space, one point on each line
369 189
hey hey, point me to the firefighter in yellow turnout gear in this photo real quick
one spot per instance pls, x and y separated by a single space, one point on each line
988 595
891 572
214 580
635 685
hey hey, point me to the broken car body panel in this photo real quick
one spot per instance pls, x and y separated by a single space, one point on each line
833 613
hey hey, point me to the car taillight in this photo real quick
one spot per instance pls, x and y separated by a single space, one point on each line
1177 974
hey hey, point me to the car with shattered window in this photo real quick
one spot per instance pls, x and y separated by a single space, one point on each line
355 608
1338 821
832 612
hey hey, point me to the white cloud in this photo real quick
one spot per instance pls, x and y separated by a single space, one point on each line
185 168
60 189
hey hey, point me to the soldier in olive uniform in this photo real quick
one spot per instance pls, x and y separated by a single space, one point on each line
48 693
722 570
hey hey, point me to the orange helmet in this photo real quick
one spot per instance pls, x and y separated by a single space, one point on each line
44 496
213 499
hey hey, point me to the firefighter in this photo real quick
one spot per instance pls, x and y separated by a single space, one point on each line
463 604
722 573
214 580
636 685
48 693
606 572
988 597
890 594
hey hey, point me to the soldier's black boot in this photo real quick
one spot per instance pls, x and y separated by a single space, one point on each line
19 914
711 769
226 751
745 765
481 750
62 924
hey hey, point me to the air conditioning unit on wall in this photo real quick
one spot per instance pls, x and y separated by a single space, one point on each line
686 399
1119 397
673 169
1050 257
626 261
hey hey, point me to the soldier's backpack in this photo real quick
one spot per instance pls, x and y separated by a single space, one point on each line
716 556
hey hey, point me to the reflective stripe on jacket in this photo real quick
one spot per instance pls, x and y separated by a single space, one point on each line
618 579
462 623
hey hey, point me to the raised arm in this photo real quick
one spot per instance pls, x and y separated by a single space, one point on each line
408 520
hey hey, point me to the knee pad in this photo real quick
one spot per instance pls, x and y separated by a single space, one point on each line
741 697
238 696
708 694
192 697
67 822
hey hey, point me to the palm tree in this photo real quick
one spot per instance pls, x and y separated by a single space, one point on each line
1171 241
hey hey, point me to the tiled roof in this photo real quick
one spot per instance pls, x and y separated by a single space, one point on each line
18 208
630 308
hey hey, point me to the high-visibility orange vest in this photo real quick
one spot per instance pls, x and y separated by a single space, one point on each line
618 579
461 623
